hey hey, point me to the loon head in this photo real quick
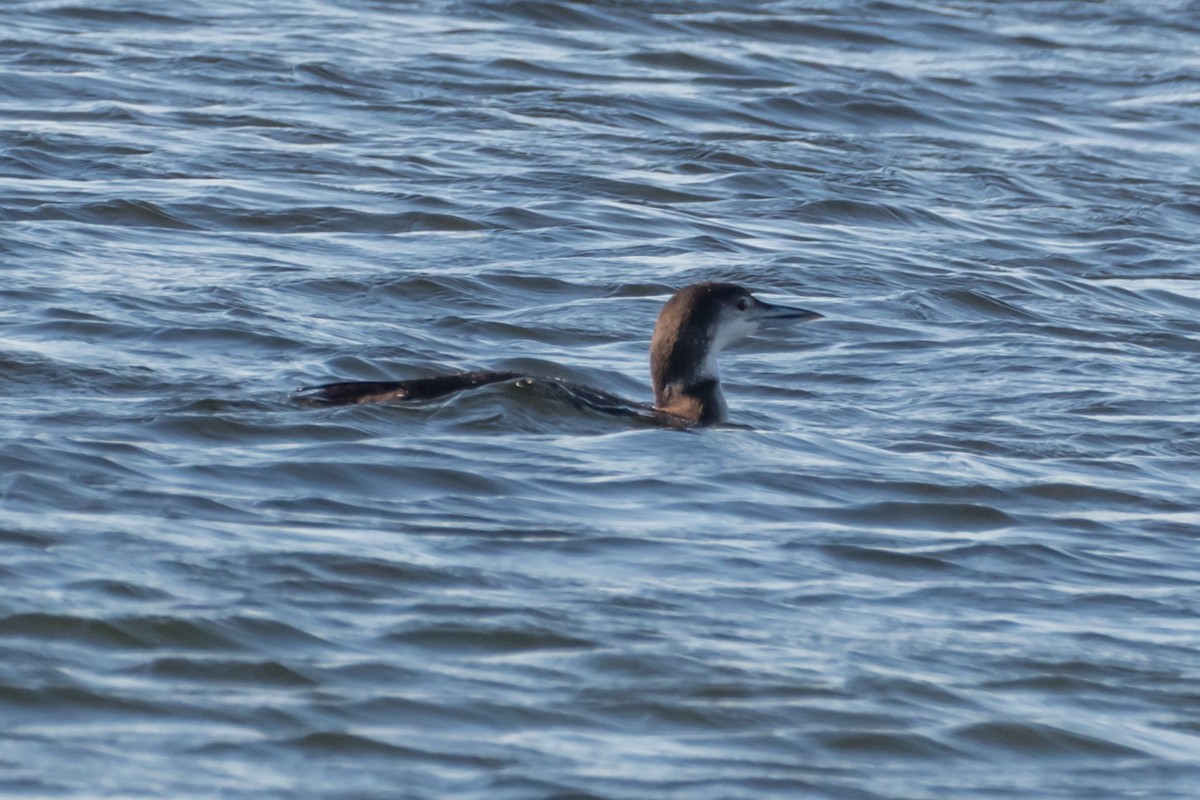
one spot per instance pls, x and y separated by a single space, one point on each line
693 326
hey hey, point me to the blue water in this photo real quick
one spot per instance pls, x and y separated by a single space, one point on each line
951 551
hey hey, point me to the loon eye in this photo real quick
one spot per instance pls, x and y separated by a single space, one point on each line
742 304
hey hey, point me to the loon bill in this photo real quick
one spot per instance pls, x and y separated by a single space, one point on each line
692 328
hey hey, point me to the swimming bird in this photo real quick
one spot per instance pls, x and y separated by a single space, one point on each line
695 324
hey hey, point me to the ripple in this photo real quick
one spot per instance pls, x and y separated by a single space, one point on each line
1033 740
931 516
874 744
121 633
336 743
154 632
251 673
888 562
119 16
465 639
60 700
135 213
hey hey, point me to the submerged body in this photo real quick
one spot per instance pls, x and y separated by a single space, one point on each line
692 328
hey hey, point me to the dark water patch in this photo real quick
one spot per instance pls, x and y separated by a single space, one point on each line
20 538
332 73
881 744
213 119
439 715
773 27
119 633
398 574
982 305
134 213
535 69
524 219
483 640
669 714
250 673
1065 685
894 564
21 461
334 219
369 673
1111 602
121 17
1097 676
1093 496
323 574
122 590
89 112
907 691
566 16
932 516
375 480
57 156
485 289
853 212
243 337
1035 740
1014 558
822 110
237 66
338 744
73 701
685 62
29 55
1168 342
80 328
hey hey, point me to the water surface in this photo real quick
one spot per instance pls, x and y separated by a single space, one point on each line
953 553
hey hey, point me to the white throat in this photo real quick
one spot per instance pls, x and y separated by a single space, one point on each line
726 333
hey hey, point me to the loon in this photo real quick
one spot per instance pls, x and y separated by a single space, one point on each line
692 328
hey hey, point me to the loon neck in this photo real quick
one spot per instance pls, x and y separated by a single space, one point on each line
700 401
683 359
683 367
